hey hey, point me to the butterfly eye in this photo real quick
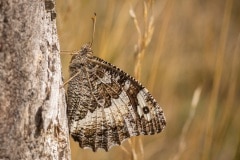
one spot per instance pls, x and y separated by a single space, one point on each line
86 50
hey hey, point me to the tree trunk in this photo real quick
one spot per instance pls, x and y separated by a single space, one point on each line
33 122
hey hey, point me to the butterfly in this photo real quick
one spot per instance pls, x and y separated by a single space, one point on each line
105 105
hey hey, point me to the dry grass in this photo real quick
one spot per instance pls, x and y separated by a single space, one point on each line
194 43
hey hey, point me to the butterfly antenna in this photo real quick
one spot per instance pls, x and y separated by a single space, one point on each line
94 18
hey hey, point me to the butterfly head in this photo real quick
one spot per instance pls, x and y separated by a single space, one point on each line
81 57
86 49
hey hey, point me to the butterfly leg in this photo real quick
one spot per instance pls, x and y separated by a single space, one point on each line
70 79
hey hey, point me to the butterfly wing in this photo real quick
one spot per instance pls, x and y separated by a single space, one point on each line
107 106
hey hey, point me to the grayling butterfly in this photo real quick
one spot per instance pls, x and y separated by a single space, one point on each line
106 105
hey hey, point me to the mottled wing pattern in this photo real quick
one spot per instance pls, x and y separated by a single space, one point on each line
106 105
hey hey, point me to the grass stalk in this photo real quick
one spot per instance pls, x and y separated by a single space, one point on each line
144 38
182 143
228 107
162 36
217 81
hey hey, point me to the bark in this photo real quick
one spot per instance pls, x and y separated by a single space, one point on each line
33 122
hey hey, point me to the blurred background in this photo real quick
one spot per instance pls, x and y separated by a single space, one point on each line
191 67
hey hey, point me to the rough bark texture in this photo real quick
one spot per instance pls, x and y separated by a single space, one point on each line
33 123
